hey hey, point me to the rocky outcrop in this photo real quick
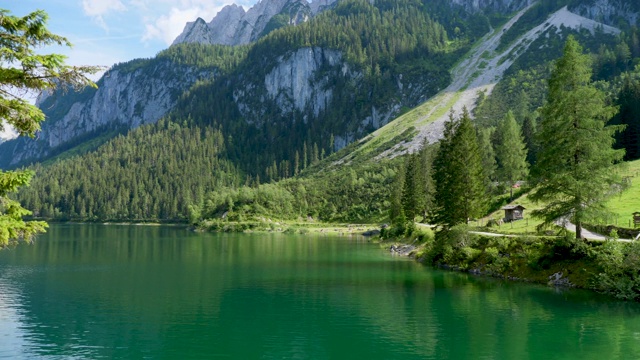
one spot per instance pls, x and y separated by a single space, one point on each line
233 26
302 85
503 6
610 12
124 99
196 32
300 82
293 84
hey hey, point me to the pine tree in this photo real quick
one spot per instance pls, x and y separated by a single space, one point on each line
487 153
459 177
24 69
396 212
413 196
529 130
426 156
511 153
296 164
305 159
573 171
315 156
629 115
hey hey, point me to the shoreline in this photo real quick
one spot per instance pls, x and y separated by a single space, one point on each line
605 267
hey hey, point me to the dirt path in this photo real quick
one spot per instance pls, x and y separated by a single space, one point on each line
586 234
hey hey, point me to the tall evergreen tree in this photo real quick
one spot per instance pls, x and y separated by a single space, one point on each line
426 155
413 196
487 153
529 130
573 171
460 188
511 153
396 212
23 69
629 115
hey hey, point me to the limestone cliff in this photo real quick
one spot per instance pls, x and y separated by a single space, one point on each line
124 100
610 12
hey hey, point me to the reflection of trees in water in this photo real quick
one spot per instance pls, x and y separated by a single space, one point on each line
124 291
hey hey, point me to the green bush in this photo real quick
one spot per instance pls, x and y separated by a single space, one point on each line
620 275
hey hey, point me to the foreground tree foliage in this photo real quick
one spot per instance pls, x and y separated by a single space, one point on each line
22 71
573 170
460 180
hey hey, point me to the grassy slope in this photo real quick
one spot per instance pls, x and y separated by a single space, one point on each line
470 75
627 202
621 206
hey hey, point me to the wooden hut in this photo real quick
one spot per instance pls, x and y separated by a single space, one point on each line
636 218
513 212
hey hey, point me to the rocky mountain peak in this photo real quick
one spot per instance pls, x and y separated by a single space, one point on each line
233 26
194 32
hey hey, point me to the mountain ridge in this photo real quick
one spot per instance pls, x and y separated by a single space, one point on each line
233 26
295 86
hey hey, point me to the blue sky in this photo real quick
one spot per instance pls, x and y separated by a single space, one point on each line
105 32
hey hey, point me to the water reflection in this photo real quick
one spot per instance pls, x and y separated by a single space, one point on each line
161 292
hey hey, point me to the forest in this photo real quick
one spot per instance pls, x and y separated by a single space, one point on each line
204 162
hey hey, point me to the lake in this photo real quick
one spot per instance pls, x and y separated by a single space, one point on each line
155 292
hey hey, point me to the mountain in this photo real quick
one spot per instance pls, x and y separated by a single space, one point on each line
304 78
309 98
128 95
233 26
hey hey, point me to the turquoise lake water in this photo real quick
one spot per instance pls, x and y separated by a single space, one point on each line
142 292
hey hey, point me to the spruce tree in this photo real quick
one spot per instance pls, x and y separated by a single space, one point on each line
629 115
487 153
413 196
529 130
460 187
511 153
573 171
426 155
396 212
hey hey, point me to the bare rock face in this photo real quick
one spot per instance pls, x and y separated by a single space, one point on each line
233 26
292 85
609 12
124 99
317 6
223 27
196 32
492 5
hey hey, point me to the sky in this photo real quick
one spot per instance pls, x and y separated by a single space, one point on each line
105 32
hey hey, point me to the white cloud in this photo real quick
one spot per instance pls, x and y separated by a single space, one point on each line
98 8
101 7
168 27
163 20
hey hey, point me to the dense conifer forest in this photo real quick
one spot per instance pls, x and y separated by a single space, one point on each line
204 161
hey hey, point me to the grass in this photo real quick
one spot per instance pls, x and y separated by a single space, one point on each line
623 205
525 226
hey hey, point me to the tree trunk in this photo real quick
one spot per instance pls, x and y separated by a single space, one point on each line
578 230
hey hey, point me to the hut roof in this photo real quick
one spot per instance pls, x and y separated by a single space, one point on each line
513 207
